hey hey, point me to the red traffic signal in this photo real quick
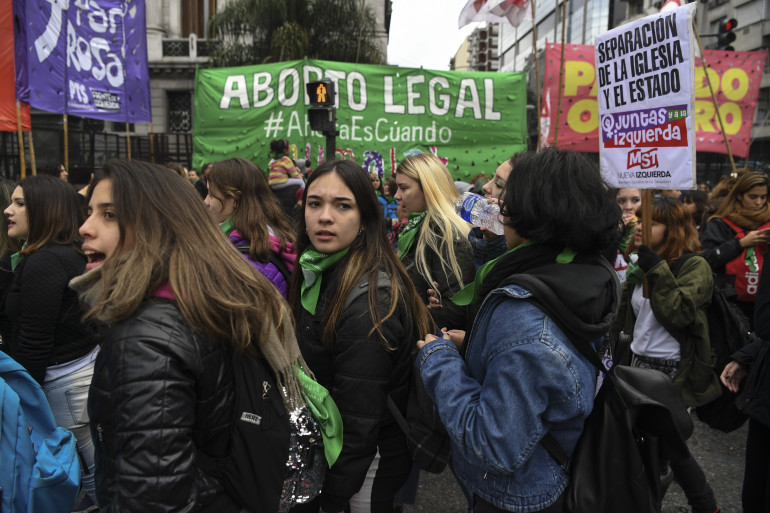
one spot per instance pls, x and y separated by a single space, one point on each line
726 35
728 25
321 93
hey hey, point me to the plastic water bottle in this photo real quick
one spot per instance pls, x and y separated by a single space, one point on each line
476 210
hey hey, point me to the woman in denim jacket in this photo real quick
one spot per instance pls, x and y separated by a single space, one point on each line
522 377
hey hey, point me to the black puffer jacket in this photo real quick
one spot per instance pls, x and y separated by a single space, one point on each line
44 313
161 408
449 315
360 373
720 245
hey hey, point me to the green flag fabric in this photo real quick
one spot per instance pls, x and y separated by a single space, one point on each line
472 120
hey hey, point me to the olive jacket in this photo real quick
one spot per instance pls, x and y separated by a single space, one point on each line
679 303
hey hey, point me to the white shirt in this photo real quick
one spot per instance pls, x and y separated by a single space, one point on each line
650 337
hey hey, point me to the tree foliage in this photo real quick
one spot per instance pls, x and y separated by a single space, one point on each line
259 31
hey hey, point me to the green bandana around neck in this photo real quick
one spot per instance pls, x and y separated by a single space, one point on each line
468 294
17 258
408 234
313 264
227 226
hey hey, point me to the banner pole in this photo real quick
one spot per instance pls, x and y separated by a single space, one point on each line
537 73
128 142
713 97
20 137
561 73
66 142
152 145
646 231
32 155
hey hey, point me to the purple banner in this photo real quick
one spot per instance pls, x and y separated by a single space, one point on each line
615 124
86 58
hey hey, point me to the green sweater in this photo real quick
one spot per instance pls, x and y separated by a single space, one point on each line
679 304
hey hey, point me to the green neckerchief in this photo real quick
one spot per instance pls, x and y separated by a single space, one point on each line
196 181
407 235
388 198
326 414
468 295
313 264
17 258
634 273
227 226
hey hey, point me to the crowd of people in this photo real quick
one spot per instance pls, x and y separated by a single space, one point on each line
129 302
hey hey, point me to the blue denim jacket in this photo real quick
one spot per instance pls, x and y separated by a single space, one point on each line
520 379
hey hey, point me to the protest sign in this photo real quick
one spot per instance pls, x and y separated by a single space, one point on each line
87 58
471 120
646 97
7 96
735 77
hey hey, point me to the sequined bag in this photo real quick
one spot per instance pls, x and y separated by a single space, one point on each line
276 458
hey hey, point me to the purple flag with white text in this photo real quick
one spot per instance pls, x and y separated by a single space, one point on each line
86 58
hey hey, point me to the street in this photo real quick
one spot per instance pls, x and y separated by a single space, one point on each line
720 455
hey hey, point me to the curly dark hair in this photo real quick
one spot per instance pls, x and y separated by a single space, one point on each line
558 198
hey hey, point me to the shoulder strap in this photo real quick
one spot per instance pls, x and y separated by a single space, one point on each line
362 287
280 264
739 232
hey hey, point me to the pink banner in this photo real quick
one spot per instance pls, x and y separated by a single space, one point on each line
734 76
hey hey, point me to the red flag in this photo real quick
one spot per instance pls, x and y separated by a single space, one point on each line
670 5
7 74
495 11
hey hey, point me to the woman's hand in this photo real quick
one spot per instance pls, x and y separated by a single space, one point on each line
648 258
486 234
456 336
732 376
628 218
430 337
755 237
433 299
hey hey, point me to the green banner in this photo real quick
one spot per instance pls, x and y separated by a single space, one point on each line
471 120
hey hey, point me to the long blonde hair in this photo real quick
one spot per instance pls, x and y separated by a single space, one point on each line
168 236
441 226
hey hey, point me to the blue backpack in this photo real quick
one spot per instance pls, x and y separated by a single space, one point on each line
39 467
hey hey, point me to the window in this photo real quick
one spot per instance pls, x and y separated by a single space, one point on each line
179 111
196 15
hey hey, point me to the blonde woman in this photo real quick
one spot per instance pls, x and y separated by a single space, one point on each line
434 247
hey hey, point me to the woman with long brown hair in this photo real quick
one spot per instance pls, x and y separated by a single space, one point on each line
356 310
240 200
47 335
736 237
669 329
180 305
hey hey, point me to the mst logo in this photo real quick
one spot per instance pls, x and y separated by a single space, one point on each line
643 159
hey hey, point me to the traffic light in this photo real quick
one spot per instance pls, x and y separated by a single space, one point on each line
726 34
321 114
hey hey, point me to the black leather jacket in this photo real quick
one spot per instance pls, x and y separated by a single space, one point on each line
161 409
360 373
